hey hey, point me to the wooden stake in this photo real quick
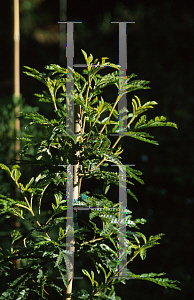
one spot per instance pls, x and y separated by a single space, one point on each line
17 93
17 72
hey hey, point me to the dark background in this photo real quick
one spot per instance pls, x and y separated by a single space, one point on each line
160 49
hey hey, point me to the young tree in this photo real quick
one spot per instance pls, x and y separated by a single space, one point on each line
63 162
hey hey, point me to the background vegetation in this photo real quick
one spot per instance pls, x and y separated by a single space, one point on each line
159 50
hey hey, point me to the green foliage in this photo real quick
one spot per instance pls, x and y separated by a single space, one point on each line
53 153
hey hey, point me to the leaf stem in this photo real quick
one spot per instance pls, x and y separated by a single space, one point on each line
32 212
119 270
90 80
117 100
98 164
132 119
92 241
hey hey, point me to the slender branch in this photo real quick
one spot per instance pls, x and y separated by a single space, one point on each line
118 97
119 270
79 186
90 80
117 141
45 291
132 119
54 99
98 164
32 212
42 196
105 158
117 100
103 129
84 121
92 241
28 204
23 206
88 136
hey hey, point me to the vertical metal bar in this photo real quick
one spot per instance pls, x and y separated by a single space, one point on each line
122 73
122 105
122 221
69 83
70 232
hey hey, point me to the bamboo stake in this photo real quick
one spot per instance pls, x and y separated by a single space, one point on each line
17 71
76 154
17 93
